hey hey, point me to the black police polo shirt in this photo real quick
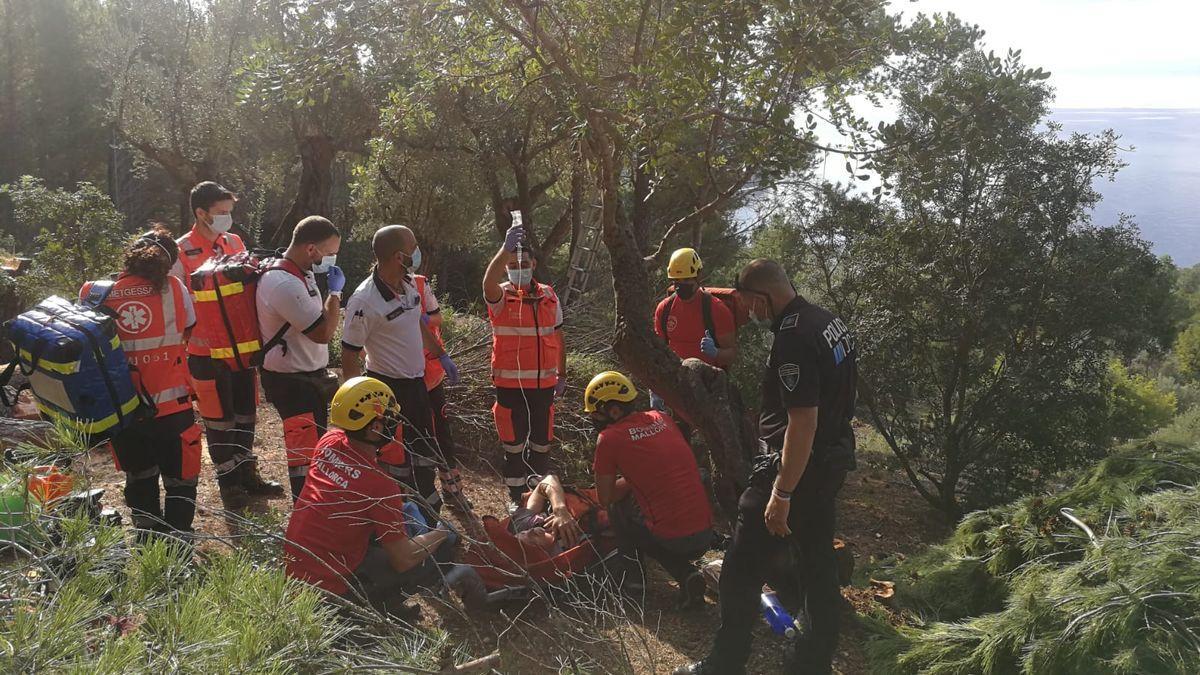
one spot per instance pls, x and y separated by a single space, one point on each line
811 364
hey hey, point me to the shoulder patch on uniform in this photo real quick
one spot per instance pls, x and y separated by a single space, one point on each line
789 375
789 321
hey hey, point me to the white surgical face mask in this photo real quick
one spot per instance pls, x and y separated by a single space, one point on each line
758 321
415 259
323 266
520 276
221 223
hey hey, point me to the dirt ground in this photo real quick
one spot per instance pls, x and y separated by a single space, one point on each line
879 514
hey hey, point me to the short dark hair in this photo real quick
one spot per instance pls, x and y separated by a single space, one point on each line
205 194
313 230
762 275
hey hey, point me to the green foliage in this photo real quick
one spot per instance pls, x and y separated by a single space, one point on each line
1136 405
80 235
1187 351
985 303
1024 589
80 598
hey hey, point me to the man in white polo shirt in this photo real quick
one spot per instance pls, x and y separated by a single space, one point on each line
384 318
297 326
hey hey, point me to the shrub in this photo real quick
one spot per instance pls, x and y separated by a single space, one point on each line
1187 351
1024 588
1136 405
80 234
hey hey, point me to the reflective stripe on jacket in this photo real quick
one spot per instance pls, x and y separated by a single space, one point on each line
525 349
151 325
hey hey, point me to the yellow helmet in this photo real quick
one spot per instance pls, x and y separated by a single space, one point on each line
359 401
608 386
685 264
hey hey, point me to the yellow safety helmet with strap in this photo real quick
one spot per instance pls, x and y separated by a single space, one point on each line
685 264
359 401
605 387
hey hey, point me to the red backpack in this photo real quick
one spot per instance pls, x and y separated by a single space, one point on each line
726 296
223 290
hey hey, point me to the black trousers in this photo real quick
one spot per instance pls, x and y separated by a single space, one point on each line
754 556
167 446
677 556
228 402
441 426
524 416
302 401
422 455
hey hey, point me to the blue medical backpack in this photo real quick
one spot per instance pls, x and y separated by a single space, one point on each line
76 368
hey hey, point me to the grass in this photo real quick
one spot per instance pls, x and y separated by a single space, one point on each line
1026 588
77 596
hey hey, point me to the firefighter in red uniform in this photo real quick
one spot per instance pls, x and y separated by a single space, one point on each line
153 316
228 400
694 323
529 360
297 326
647 478
436 380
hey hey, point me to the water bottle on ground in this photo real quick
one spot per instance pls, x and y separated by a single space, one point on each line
777 617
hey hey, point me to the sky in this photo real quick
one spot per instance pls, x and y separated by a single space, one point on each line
1101 53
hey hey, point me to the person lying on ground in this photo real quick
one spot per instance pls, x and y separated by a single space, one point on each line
348 528
544 520
647 478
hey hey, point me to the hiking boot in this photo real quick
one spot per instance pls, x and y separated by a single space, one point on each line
708 667
255 485
691 591
233 494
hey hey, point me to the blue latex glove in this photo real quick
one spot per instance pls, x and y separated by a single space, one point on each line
425 318
657 402
336 279
560 386
451 369
708 346
512 239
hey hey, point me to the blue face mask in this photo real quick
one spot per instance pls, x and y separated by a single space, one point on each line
520 276
415 259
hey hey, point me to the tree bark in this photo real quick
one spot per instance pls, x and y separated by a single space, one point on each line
313 196
702 394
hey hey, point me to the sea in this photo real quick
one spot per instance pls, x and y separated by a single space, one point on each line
1160 187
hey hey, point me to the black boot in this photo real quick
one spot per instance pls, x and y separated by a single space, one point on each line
179 509
256 485
141 496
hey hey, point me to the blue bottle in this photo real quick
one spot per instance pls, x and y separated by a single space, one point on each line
777 617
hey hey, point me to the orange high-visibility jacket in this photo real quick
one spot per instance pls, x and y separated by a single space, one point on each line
525 349
151 325
434 372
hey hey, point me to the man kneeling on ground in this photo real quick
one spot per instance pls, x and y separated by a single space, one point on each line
348 526
657 504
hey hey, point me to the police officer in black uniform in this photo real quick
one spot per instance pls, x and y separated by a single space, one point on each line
808 393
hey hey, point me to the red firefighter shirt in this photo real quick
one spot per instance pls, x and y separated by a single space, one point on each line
650 452
685 325
346 499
